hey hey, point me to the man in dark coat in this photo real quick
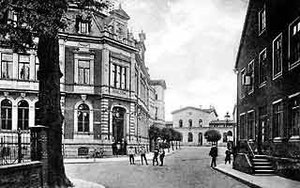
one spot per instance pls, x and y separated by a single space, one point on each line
213 153
155 156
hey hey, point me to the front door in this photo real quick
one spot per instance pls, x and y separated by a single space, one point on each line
118 132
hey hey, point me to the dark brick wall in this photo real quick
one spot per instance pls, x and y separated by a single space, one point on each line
25 175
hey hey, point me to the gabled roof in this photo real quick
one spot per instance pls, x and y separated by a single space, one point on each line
209 111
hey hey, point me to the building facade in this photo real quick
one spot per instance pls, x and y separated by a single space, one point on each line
268 89
107 97
193 122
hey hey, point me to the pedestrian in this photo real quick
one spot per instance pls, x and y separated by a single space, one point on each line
161 156
143 155
213 153
131 155
227 156
155 156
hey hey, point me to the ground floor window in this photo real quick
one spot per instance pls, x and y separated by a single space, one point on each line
294 117
190 137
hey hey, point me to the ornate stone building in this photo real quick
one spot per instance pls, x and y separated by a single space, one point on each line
107 97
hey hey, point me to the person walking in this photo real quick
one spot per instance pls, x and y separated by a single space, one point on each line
161 156
227 156
213 153
155 156
131 155
143 155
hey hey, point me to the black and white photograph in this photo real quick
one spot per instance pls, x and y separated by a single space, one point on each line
149 93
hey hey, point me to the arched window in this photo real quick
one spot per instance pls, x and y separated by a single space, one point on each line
190 123
229 133
200 122
83 118
190 137
23 115
37 120
6 113
180 123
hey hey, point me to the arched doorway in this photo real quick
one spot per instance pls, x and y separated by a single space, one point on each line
118 131
200 139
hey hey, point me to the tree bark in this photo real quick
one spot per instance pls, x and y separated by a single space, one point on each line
50 115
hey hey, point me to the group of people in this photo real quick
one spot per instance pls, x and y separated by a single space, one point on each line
157 153
214 153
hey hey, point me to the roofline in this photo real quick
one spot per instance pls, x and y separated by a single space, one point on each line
242 35
203 110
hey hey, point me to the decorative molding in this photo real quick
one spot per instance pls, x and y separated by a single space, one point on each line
83 97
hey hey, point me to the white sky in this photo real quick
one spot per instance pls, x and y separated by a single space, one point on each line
192 45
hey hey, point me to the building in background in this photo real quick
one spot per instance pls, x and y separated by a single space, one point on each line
193 122
107 96
268 69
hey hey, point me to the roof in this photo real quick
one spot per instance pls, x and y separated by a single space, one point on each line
159 82
223 121
242 36
209 111
120 12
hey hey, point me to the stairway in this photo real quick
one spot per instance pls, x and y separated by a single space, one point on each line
262 165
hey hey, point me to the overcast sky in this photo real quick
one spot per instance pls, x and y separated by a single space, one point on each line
192 45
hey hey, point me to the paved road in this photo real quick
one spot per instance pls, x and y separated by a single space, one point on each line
186 168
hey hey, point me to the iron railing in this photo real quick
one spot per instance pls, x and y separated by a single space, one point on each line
14 147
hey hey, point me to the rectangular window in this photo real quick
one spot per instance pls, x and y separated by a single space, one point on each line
262 20
123 80
118 76
242 126
37 66
84 27
294 111
294 45
277 119
242 80
251 74
6 66
24 70
251 125
277 56
84 72
263 67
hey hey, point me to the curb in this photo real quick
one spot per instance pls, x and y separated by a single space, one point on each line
250 184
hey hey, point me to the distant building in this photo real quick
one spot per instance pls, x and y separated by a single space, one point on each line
268 69
193 122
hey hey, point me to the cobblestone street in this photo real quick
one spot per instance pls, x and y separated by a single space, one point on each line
186 168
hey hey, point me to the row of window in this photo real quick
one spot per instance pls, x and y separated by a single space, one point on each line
200 123
276 127
247 74
225 136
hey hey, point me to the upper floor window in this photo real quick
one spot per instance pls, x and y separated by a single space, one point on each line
6 114
263 67
250 74
6 66
12 18
200 122
277 56
262 20
294 48
83 25
119 76
37 66
84 71
83 118
24 70
23 115
190 123
37 119
242 80
180 123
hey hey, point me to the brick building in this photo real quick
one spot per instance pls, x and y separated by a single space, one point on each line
107 96
268 70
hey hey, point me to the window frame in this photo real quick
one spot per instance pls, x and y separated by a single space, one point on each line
23 121
262 82
85 124
262 22
24 63
276 75
8 66
290 29
7 116
277 113
251 90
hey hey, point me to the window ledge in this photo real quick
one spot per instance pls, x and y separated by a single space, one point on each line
294 138
294 64
262 84
277 75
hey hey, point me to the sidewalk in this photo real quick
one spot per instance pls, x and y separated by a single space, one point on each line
85 184
263 181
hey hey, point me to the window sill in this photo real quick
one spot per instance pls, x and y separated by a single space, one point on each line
262 84
277 75
293 65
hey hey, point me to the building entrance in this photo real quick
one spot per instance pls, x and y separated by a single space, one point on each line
200 139
118 131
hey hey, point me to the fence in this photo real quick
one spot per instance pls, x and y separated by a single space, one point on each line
14 147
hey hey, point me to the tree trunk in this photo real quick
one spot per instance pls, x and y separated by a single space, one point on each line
50 111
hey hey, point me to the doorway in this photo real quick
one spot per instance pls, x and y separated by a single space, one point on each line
118 131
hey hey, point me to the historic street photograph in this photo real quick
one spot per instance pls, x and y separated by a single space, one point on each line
149 93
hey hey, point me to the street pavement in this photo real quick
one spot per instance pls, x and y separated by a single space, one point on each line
185 168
